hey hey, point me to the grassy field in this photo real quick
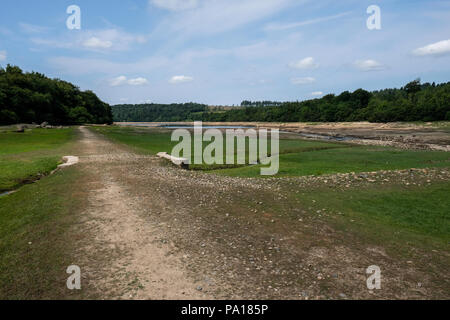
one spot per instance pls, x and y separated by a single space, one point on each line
24 157
34 246
297 157
414 213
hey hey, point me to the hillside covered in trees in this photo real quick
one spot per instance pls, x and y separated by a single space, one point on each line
33 97
413 102
159 112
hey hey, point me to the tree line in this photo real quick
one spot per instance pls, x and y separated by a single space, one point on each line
159 112
413 102
33 97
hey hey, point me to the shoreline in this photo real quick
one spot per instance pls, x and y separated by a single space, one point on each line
426 136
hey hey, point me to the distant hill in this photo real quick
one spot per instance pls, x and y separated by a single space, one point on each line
413 102
33 97
159 112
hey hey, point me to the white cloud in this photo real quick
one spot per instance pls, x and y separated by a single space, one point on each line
175 5
302 81
307 63
3 55
434 49
369 65
83 66
118 81
31 28
317 93
96 43
95 40
286 26
138 81
211 17
180 79
121 80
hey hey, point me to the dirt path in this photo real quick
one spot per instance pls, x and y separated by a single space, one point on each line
132 263
152 231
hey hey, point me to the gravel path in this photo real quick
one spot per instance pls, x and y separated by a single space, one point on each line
127 259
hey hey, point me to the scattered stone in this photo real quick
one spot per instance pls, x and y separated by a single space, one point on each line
69 161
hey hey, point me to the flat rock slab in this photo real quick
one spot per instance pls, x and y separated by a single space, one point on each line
174 160
69 161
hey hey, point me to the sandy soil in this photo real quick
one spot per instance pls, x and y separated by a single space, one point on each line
153 231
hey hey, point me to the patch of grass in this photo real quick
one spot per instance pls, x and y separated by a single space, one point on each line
143 140
26 156
34 246
297 157
152 141
391 212
354 159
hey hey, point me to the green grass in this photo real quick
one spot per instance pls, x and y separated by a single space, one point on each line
34 245
353 159
26 156
297 157
396 212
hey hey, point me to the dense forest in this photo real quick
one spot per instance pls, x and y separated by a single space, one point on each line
33 97
413 102
159 112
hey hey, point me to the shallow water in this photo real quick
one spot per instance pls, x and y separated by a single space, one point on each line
2 194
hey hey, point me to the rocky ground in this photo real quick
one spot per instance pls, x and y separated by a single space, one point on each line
153 231
423 136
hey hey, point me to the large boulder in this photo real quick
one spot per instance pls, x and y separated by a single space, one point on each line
44 124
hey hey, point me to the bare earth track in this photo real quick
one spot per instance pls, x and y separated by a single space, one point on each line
152 231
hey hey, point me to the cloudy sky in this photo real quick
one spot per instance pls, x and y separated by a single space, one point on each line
226 51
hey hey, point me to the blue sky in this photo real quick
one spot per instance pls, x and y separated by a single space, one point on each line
225 51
